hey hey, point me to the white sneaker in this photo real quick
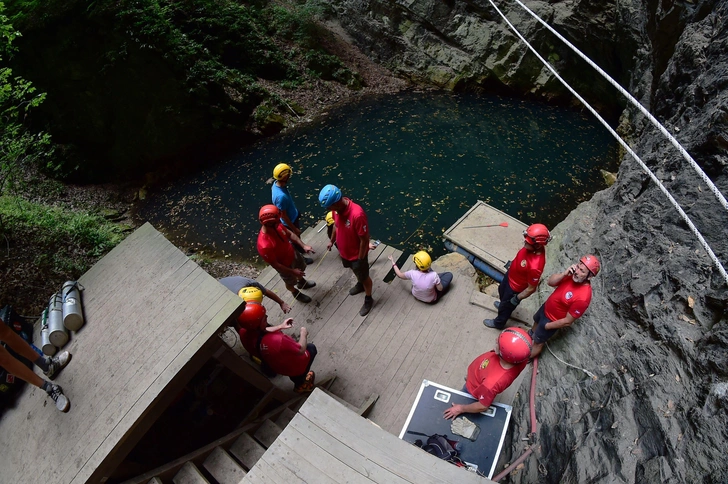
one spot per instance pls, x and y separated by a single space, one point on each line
62 401
56 364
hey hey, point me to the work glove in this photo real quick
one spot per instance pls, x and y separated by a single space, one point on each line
515 301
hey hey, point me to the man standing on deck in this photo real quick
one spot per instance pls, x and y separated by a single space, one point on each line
523 275
290 216
237 283
275 246
351 236
491 373
51 367
567 303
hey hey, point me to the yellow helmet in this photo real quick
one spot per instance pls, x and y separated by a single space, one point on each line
422 260
251 294
330 218
281 170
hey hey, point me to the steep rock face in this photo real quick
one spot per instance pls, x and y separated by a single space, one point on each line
653 405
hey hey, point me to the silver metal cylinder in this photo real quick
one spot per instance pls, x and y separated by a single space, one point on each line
72 312
45 342
56 331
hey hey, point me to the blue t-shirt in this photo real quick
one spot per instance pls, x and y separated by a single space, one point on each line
283 200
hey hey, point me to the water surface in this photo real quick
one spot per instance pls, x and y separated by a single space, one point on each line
415 161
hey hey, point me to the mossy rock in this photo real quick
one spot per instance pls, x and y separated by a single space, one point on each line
272 124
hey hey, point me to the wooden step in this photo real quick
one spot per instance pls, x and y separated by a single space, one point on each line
285 417
247 450
189 474
223 468
267 433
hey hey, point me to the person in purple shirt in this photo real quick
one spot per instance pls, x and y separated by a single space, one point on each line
427 285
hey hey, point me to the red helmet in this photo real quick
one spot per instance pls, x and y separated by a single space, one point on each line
537 234
268 213
515 345
592 263
252 316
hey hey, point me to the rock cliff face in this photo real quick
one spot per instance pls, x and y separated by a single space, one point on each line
655 338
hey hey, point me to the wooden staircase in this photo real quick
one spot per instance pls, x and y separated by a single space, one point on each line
227 460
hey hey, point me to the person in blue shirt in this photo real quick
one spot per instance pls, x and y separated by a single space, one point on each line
281 197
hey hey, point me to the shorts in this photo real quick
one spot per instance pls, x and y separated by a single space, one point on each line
361 273
298 263
541 334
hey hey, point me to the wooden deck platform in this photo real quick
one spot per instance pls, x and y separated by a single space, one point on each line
399 343
152 318
326 443
479 232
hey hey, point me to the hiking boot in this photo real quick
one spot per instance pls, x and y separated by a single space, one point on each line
56 364
301 297
56 394
496 304
356 289
308 261
490 323
367 306
304 284
308 385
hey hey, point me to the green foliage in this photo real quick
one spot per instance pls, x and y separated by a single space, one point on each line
66 232
19 147
296 22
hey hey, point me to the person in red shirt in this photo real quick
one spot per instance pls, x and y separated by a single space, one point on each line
275 246
523 275
491 373
279 352
351 236
567 303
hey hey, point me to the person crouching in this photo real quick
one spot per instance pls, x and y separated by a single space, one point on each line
279 352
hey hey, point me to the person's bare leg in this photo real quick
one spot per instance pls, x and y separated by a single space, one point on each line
536 350
368 284
18 344
15 367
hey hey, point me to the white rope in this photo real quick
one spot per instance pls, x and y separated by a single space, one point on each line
639 106
589 373
646 169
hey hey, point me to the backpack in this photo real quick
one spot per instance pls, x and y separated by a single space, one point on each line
439 446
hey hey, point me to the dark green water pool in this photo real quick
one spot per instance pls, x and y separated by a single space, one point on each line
415 161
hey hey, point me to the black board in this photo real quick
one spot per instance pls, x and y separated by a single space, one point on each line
426 418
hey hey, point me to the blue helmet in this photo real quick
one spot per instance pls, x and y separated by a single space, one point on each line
330 194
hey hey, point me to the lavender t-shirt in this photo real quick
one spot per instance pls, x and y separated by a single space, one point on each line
423 284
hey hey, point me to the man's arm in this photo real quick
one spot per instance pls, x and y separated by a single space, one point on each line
456 410
526 292
297 240
287 324
288 223
555 279
280 268
303 341
561 323
363 246
333 239
284 307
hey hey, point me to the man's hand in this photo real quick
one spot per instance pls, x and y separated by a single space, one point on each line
287 324
453 411
304 332
299 273
285 307
330 245
308 249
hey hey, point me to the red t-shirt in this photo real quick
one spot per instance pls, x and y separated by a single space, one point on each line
281 353
569 297
526 269
350 226
274 246
487 378
249 339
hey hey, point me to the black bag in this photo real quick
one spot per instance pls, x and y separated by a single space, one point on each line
439 446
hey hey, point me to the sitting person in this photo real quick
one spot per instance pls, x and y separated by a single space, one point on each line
279 352
491 373
427 285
